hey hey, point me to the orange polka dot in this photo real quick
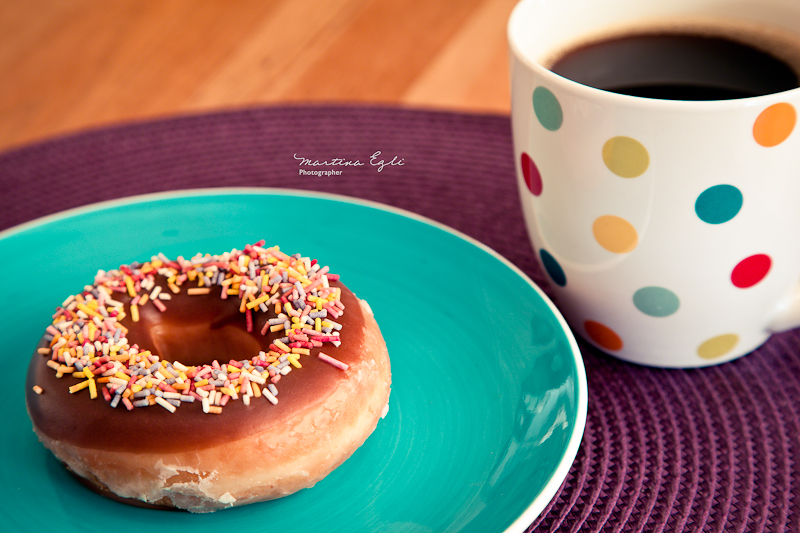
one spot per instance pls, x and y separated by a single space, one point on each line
615 234
774 124
604 336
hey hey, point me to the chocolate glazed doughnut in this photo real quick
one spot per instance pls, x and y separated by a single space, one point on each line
207 383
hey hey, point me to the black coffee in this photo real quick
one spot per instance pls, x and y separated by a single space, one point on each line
676 66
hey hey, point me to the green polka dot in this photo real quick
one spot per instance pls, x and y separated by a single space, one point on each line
656 301
547 108
626 157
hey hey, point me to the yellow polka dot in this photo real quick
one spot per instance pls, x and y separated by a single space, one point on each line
717 346
774 124
626 157
615 234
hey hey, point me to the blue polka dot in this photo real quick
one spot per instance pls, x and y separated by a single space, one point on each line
718 204
547 108
656 301
553 269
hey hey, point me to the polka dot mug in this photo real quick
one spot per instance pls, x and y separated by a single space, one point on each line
669 229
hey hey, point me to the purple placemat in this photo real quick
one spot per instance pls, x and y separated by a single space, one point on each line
664 450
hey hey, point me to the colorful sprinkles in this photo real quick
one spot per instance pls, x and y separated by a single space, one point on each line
88 338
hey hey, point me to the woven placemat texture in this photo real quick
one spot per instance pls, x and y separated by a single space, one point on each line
709 450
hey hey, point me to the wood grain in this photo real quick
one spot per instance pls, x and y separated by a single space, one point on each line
67 65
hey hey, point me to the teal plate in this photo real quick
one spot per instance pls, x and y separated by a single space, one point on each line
489 393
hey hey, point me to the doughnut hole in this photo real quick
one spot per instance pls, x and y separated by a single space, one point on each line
207 344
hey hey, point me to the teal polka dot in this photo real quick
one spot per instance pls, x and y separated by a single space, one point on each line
656 301
547 108
553 269
718 204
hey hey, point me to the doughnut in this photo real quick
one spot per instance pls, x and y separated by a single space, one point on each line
211 382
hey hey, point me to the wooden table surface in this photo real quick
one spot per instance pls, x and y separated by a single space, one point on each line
67 65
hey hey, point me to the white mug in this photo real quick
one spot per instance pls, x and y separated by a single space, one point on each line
670 229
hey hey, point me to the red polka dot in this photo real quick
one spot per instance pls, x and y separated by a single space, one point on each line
531 174
751 270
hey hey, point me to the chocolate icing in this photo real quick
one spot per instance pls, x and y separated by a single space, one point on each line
193 330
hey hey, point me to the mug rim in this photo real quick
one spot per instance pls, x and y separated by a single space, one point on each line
594 93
